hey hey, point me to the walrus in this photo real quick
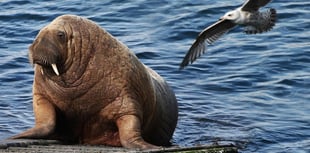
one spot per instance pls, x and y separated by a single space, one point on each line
89 88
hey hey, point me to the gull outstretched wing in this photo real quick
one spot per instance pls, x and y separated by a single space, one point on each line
253 5
209 35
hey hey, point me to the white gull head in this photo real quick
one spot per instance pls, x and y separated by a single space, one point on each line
236 16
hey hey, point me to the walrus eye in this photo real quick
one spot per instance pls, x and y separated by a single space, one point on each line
61 35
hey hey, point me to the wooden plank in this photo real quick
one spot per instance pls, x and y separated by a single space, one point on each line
53 146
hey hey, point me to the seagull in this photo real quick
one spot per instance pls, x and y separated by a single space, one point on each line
247 15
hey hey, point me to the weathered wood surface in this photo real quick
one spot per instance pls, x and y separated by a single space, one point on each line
52 146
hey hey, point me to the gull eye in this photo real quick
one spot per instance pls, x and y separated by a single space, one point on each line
229 14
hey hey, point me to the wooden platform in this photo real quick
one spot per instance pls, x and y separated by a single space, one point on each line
52 146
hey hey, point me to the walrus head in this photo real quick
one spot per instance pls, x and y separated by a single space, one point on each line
46 49
54 47
67 47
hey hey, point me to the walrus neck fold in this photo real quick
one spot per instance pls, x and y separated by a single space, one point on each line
78 55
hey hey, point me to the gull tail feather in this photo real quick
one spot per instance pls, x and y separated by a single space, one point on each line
265 22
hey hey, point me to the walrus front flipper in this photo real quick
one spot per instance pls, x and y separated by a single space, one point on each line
45 116
130 133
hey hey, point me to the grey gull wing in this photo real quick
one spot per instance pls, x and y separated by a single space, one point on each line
254 5
210 34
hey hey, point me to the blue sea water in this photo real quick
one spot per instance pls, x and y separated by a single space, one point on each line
248 90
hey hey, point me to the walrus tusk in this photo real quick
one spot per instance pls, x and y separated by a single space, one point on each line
55 69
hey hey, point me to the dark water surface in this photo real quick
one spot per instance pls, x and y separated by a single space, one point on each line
249 90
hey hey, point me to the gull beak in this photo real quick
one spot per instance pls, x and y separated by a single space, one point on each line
55 69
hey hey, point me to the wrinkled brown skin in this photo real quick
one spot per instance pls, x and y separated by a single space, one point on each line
103 95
